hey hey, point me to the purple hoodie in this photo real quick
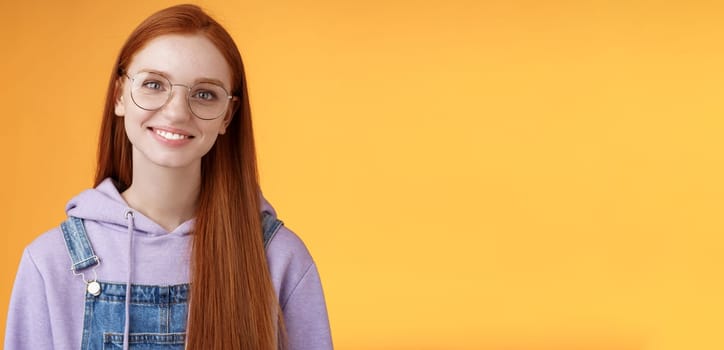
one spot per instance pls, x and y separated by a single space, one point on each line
47 304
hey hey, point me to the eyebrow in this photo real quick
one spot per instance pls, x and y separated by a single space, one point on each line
199 80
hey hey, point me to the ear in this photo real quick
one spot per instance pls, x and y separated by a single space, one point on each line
229 115
225 123
120 109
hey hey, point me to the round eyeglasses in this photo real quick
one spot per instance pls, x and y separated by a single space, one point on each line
151 91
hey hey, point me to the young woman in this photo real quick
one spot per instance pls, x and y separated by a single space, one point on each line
174 248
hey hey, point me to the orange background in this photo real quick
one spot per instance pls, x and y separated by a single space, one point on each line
467 174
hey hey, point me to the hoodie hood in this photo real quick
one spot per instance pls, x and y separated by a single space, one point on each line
105 205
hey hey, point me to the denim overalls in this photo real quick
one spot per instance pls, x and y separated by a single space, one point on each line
158 314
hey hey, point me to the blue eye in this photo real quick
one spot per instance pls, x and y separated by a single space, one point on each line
153 85
204 95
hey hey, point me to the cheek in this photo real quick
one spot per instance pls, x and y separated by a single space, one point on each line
134 121
214 127
131 129
211 136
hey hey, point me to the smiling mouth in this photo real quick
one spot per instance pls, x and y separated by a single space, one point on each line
171 135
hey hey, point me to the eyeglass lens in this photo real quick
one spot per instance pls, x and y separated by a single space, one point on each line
150 91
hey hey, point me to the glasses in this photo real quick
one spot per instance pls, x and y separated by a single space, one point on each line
151 91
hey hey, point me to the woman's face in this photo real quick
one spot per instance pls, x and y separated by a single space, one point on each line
172 136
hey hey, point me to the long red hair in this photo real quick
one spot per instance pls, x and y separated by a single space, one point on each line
233 304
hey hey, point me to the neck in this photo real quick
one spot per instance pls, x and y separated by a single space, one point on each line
165 195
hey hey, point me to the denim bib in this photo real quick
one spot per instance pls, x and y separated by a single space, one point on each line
158 314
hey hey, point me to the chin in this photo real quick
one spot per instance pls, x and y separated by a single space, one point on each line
176 164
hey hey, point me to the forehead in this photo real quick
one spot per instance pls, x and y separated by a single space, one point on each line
183 58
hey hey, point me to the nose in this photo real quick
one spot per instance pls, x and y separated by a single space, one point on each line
177 108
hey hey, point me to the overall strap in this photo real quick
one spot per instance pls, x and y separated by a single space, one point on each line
79 247
82 254
270 225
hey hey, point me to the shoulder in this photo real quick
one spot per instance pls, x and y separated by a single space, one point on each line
289 261
286 245
299 288
48 252
46 261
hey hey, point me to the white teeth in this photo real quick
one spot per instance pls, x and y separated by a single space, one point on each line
170 135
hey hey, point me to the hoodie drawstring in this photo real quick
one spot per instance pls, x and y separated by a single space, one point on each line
127 325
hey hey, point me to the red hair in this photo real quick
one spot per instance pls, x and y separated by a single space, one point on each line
233 304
